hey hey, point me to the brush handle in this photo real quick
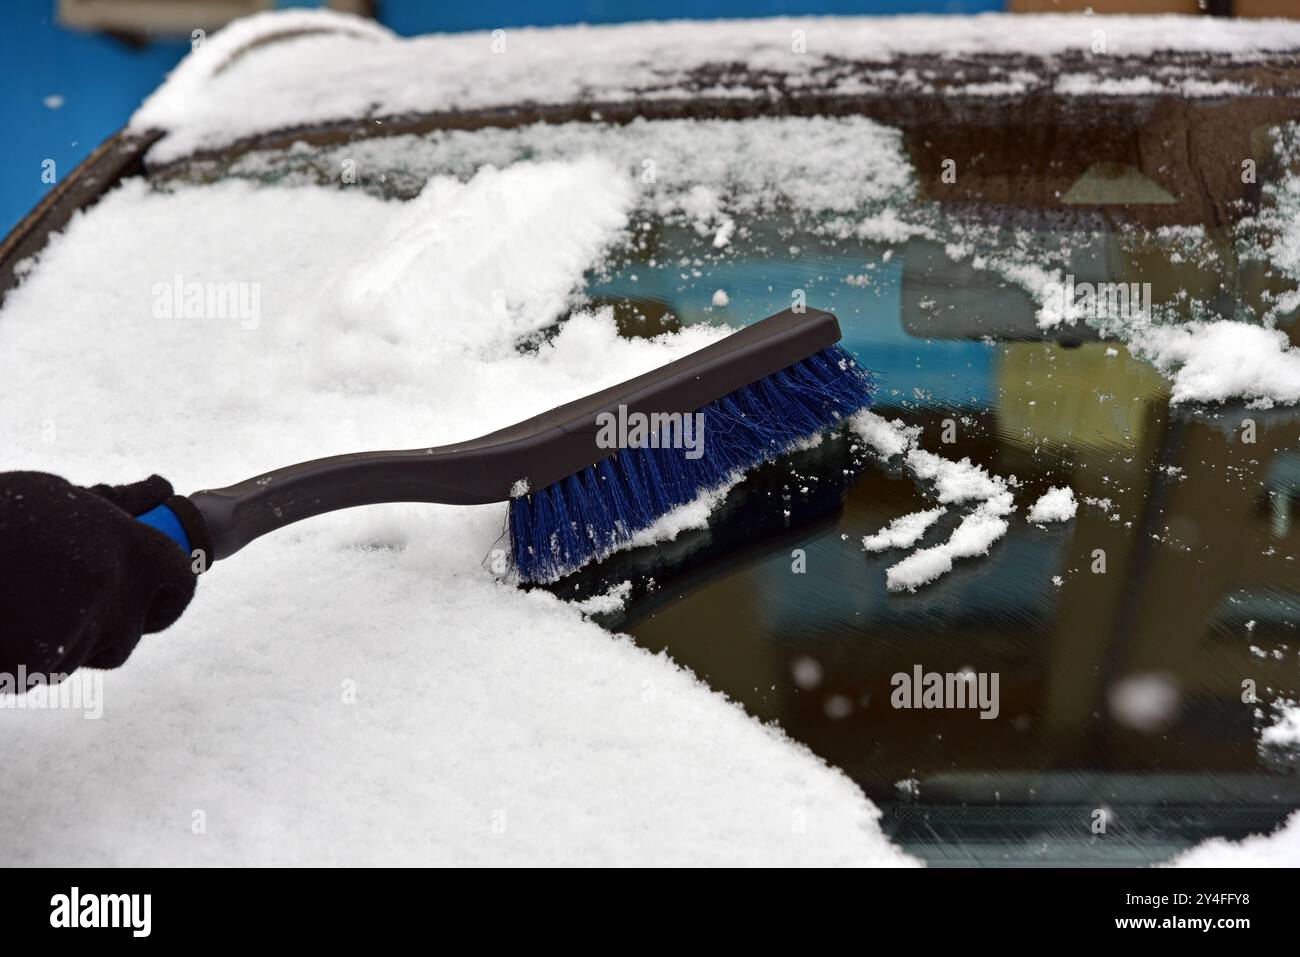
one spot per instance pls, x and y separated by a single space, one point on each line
235 515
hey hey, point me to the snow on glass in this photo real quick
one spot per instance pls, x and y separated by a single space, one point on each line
387 321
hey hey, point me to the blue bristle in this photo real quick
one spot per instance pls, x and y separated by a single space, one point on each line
586 516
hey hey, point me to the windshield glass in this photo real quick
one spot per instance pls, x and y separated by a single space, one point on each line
1036 311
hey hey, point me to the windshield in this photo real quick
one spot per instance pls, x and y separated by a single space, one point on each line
1122 665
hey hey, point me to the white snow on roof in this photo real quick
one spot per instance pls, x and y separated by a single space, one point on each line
362 688
362 71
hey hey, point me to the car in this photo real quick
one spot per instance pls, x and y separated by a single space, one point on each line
1039 605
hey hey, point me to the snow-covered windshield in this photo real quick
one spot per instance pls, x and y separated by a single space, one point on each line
1087 390
1074 502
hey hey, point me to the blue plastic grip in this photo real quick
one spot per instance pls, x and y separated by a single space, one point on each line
165 520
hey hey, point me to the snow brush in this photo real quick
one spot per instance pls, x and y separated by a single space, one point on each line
573 498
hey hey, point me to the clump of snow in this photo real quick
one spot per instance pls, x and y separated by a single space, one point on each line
885 437
720 297
1207 361
973 537
955 481
611 600
1222 360
952 482
1086 84
903 532
887 226
1279 849
378 641
1284 732
1055 505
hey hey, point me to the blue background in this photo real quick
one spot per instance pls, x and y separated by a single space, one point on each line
102 80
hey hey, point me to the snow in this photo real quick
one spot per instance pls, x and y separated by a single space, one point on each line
975 535
1279 849
1086 84
362 688
710 173
885 437
611 600
500 228
1222 360
493 725
1055 505
904 531
1207 361
706 173
360 70
720 297
952 483
1284 732
887 226
692 515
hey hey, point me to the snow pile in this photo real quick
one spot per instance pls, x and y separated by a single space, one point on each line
1222 360
501 229
955 482
1279 849
362 688
1217 361
358 70
1207 361
885 437
1056 505
952 483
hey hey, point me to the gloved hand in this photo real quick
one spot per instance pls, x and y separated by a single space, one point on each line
80 579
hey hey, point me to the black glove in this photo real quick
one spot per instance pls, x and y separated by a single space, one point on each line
80 579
